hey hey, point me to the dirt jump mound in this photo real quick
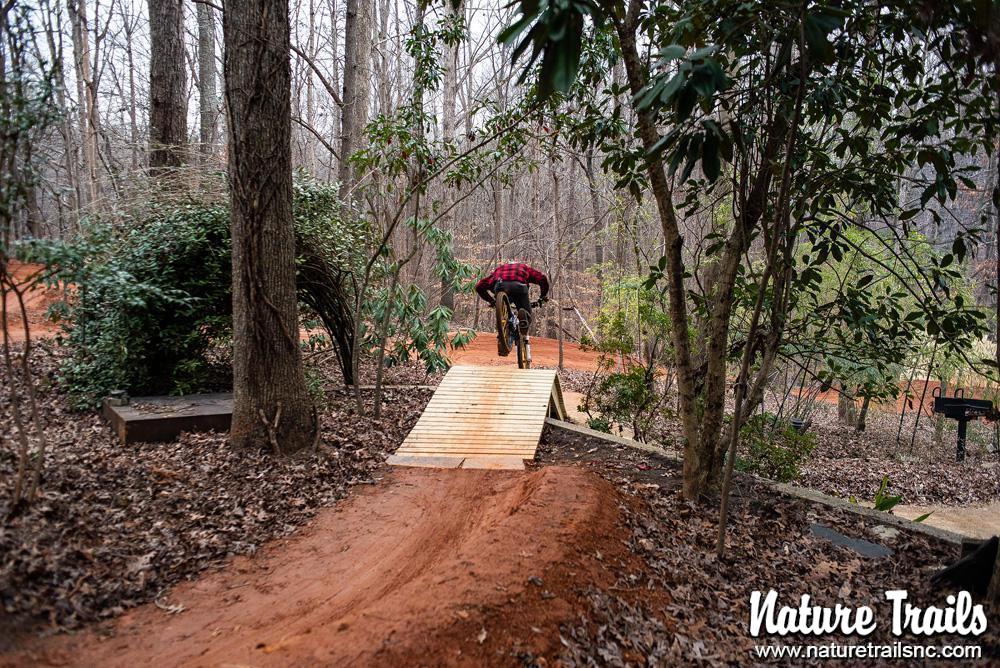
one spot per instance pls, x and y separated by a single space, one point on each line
430 566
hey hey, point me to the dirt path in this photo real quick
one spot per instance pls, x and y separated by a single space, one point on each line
428 564
36 303
977 522
544 352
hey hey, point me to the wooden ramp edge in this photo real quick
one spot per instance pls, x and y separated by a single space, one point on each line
483 418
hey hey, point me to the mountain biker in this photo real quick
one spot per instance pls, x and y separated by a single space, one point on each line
514 279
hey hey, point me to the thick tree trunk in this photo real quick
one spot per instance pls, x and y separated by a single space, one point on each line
357 74
167 95
207 96
271 406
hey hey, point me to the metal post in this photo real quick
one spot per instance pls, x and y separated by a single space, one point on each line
960 455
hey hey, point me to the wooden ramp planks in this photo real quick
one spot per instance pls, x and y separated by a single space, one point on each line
483 417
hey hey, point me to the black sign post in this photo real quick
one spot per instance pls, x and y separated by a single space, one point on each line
963 410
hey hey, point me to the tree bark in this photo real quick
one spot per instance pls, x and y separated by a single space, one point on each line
271 405
598 227
863 414
167 95
846 409
207 95
557 277
357 74
133 114
86 98
449 90
994 588
697 462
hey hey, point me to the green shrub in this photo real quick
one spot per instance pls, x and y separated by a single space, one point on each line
599 423
146 305
150 310
627 397
772 448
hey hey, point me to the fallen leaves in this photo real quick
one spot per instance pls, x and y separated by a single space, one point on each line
115 525
174 609
769 547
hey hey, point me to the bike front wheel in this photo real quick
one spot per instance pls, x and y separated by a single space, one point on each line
503 324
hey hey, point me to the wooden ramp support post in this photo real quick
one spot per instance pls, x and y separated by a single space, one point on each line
483 418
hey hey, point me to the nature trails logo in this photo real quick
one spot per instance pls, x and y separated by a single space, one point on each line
959 617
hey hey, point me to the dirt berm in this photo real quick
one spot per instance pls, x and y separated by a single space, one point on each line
428 567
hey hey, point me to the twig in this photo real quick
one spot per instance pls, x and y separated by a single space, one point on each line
272 427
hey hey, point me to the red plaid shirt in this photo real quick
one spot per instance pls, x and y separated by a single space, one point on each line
515 271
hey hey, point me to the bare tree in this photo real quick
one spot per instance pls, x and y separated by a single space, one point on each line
86 95
271 406
167 95
207 95
357 72
449 54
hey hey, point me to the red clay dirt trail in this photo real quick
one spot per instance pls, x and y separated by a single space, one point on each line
36 303
482 351
428 567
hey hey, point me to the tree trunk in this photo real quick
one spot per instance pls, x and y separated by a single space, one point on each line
449 54
86 99
167 94
994 589
846 409
271 405
557 275
207 95
598 227
697 456
357 74
133 113
863 414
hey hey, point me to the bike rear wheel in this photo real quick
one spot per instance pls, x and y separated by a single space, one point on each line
523 362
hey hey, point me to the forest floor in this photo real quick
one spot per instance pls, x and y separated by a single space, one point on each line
590 557
190 552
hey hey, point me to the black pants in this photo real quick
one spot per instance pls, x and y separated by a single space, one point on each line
517 293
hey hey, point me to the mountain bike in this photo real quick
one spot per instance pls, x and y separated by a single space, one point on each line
512 330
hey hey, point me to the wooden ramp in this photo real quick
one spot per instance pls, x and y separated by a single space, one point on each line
483 418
